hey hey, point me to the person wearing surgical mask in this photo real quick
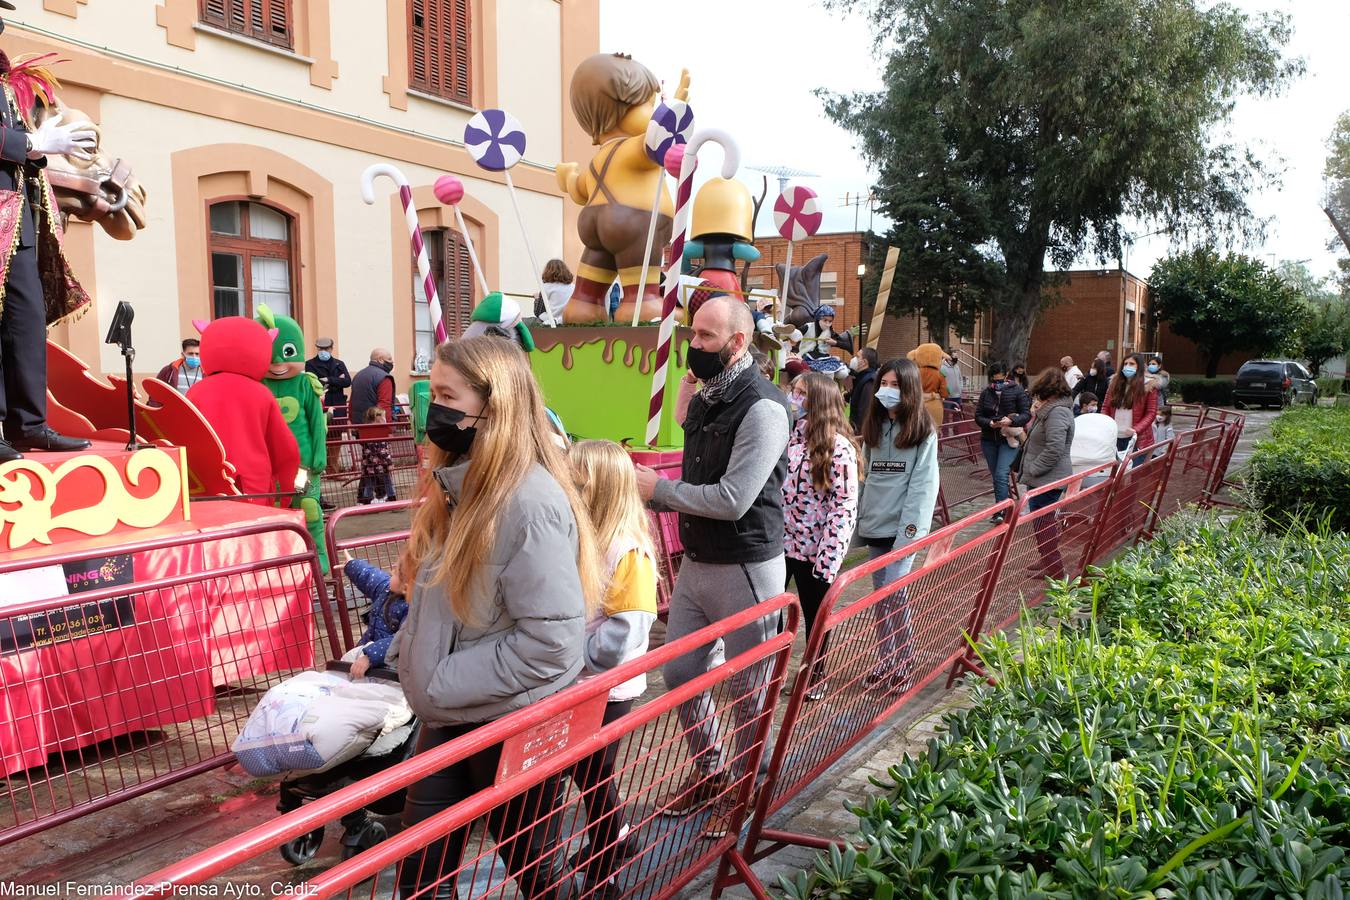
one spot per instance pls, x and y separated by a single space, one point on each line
1133 403
185 371
1158 378
864 366
333 376
1003 404
899 492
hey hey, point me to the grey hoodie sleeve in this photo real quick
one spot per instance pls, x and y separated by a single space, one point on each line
760 441
541 590
620 637
921 496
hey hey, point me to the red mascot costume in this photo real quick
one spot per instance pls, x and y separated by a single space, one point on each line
235 355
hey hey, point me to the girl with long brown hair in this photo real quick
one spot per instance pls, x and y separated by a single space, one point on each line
504 566
898 496
1133 403
820 492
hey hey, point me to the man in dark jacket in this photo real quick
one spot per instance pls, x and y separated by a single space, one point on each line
332 374
864 368
1003 404
185 371
1097 379
373 386
730 500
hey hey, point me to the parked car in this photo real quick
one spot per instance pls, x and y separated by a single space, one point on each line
1273 382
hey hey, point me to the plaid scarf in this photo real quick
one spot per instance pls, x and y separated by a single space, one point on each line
715 387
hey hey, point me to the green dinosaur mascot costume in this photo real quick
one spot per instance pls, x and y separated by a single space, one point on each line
300 396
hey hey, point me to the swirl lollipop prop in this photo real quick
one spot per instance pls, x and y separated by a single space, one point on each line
797 217
681 158
671 124
496 141
450 190
414 233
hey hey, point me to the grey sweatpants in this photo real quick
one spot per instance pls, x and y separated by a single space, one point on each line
705 593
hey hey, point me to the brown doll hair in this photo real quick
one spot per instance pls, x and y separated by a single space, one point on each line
605 86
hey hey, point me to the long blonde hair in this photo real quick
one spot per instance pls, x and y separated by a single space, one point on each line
513 435
604 474
824 420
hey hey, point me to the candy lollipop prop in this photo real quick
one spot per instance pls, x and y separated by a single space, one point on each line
450 190
682 159
496 141
414 232
671 124
797 217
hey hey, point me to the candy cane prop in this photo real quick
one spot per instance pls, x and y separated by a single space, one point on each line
671 124
681 158
414 232
883 297
797 217
496 141
450 190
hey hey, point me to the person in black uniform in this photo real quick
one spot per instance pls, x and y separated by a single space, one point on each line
24 313
332 374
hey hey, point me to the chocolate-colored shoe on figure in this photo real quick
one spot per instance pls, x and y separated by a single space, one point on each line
49 441
8 453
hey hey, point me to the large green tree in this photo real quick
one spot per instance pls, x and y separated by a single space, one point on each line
1337 173
1227 303
1060 118
1325 333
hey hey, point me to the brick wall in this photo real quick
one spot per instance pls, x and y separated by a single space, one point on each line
1090 311
846 250
1182 357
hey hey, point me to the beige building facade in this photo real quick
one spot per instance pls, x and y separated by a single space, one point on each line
249 122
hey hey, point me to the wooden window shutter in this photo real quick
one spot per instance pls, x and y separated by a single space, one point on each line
440 47
263 20
457 289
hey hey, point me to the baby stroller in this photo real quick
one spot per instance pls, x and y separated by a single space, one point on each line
361 829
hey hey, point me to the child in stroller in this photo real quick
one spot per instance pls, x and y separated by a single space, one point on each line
361 827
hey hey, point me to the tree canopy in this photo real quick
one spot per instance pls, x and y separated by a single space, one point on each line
1325 333
1035 126
1227 303
1338 188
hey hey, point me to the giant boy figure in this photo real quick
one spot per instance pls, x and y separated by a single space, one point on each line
39 288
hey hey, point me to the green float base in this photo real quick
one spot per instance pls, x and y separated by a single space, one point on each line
598 379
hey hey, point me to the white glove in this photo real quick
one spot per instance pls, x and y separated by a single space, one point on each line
76 140
301 479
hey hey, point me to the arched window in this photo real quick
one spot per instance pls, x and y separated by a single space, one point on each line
451 269
252 259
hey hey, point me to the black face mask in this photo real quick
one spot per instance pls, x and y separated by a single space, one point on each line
443 428
708 364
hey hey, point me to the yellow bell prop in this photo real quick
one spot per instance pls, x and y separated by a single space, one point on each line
724 206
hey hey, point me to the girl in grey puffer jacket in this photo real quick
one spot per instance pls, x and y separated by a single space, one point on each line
506 565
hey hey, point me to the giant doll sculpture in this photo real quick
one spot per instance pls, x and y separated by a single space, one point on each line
39 287
613 97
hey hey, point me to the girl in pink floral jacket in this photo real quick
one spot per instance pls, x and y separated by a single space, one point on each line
820 492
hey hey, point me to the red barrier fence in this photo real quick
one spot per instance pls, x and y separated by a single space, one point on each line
344 483
537 747
124 689
863 662
964 474
1223 482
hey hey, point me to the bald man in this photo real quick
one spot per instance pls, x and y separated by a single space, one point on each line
373 386
730 501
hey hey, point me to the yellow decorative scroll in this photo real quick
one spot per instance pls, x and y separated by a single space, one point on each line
883 297
32 518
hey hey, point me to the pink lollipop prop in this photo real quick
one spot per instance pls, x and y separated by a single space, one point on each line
450 190
797 216
684 157
414 233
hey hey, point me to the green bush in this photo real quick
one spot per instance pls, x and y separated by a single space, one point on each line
1330 387
1188 739
1303 470
1196 389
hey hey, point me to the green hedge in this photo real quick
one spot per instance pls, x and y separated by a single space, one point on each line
1189 738
1195 389
1304 468
1330 387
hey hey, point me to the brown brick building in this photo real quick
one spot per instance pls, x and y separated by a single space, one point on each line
1088 311
840 281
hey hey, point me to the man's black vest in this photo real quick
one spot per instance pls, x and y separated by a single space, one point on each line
709 433
365 392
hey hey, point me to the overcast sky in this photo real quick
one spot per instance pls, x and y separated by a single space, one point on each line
755 63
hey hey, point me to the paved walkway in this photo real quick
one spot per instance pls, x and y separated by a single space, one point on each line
131 839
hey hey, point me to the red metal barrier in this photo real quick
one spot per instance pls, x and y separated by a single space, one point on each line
540 744
342 482
1049 542
669 547
118 691
965 476
1132 507
866 659
1196 455
1187 416
1235 423
381 549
